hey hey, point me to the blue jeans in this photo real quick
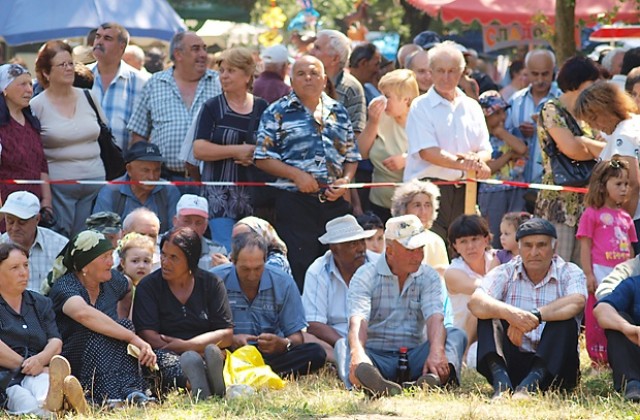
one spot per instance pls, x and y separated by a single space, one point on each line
387 361
221 228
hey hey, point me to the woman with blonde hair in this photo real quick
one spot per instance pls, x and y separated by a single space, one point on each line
225 141
606 107
384 139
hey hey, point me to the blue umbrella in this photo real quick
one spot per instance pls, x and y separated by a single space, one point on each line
30 21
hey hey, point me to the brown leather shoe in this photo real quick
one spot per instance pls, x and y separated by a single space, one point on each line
58 370
75 395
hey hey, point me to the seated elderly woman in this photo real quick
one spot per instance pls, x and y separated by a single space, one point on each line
31 373
277 252
183 312
92 302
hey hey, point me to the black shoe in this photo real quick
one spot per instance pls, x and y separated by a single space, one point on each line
632 391
531 383
373 381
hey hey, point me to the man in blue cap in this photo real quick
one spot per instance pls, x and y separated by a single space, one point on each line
143 164
529 313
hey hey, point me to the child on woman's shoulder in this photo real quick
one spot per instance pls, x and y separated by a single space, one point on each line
508 228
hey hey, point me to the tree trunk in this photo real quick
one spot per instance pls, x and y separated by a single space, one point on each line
417 20
565 28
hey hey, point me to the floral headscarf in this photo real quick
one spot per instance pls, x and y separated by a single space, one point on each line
264 229
9 73
83 248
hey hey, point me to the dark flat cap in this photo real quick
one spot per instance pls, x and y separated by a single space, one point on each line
143 150
536 226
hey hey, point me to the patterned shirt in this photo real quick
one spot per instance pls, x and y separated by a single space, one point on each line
119 99
43 252
521 110
162 116
325 293
276 309
289 133
510 284
396 319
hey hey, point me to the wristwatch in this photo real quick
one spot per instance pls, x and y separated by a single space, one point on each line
288 344
538 315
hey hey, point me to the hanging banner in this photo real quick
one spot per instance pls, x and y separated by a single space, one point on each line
496 37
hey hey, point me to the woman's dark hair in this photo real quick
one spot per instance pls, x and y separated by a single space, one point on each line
630 61
370 220
83 77
575 71
247 240
362 52
189 243
516 67
467 225
6 248
46 54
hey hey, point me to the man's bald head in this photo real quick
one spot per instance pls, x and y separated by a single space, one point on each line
306 60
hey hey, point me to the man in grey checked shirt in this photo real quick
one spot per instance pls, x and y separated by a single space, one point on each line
390 302
169 102
529 312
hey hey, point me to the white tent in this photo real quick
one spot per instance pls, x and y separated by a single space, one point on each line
227 34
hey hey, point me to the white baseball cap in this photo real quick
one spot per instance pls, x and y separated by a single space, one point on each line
193 205
275 54
407 230
22 204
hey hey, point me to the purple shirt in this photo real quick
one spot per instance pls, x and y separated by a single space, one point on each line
270 86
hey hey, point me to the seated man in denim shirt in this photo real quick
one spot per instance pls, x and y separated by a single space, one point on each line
267 309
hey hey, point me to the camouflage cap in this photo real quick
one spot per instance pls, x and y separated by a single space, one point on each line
104 222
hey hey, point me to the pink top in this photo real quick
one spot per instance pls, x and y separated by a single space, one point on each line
611 232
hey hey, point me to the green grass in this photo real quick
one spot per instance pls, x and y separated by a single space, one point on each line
322 396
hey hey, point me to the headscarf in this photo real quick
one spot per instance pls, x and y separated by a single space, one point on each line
264 229
8 73
83 248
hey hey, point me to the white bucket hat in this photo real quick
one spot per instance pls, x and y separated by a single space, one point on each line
344 229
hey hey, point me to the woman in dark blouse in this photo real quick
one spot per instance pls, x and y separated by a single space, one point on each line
29 337
21 153
183 312
92 303
225 142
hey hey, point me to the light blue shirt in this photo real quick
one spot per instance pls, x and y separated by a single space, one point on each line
119 99
521 110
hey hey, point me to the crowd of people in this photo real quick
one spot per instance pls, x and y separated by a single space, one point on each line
125 291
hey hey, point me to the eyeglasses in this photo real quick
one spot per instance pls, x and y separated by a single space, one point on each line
65 64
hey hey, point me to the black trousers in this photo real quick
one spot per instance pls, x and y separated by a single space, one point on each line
451 206
300 221
300 360
624 357
558 348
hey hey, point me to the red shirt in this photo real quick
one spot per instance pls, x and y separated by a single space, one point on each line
21 157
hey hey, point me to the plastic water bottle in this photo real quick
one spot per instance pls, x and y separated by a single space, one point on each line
402 372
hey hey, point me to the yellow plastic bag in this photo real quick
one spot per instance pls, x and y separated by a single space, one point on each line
246 366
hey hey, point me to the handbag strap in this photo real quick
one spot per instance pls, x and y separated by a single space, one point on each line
93 106
551 148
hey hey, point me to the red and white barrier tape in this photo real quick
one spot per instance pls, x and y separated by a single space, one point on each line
288 184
